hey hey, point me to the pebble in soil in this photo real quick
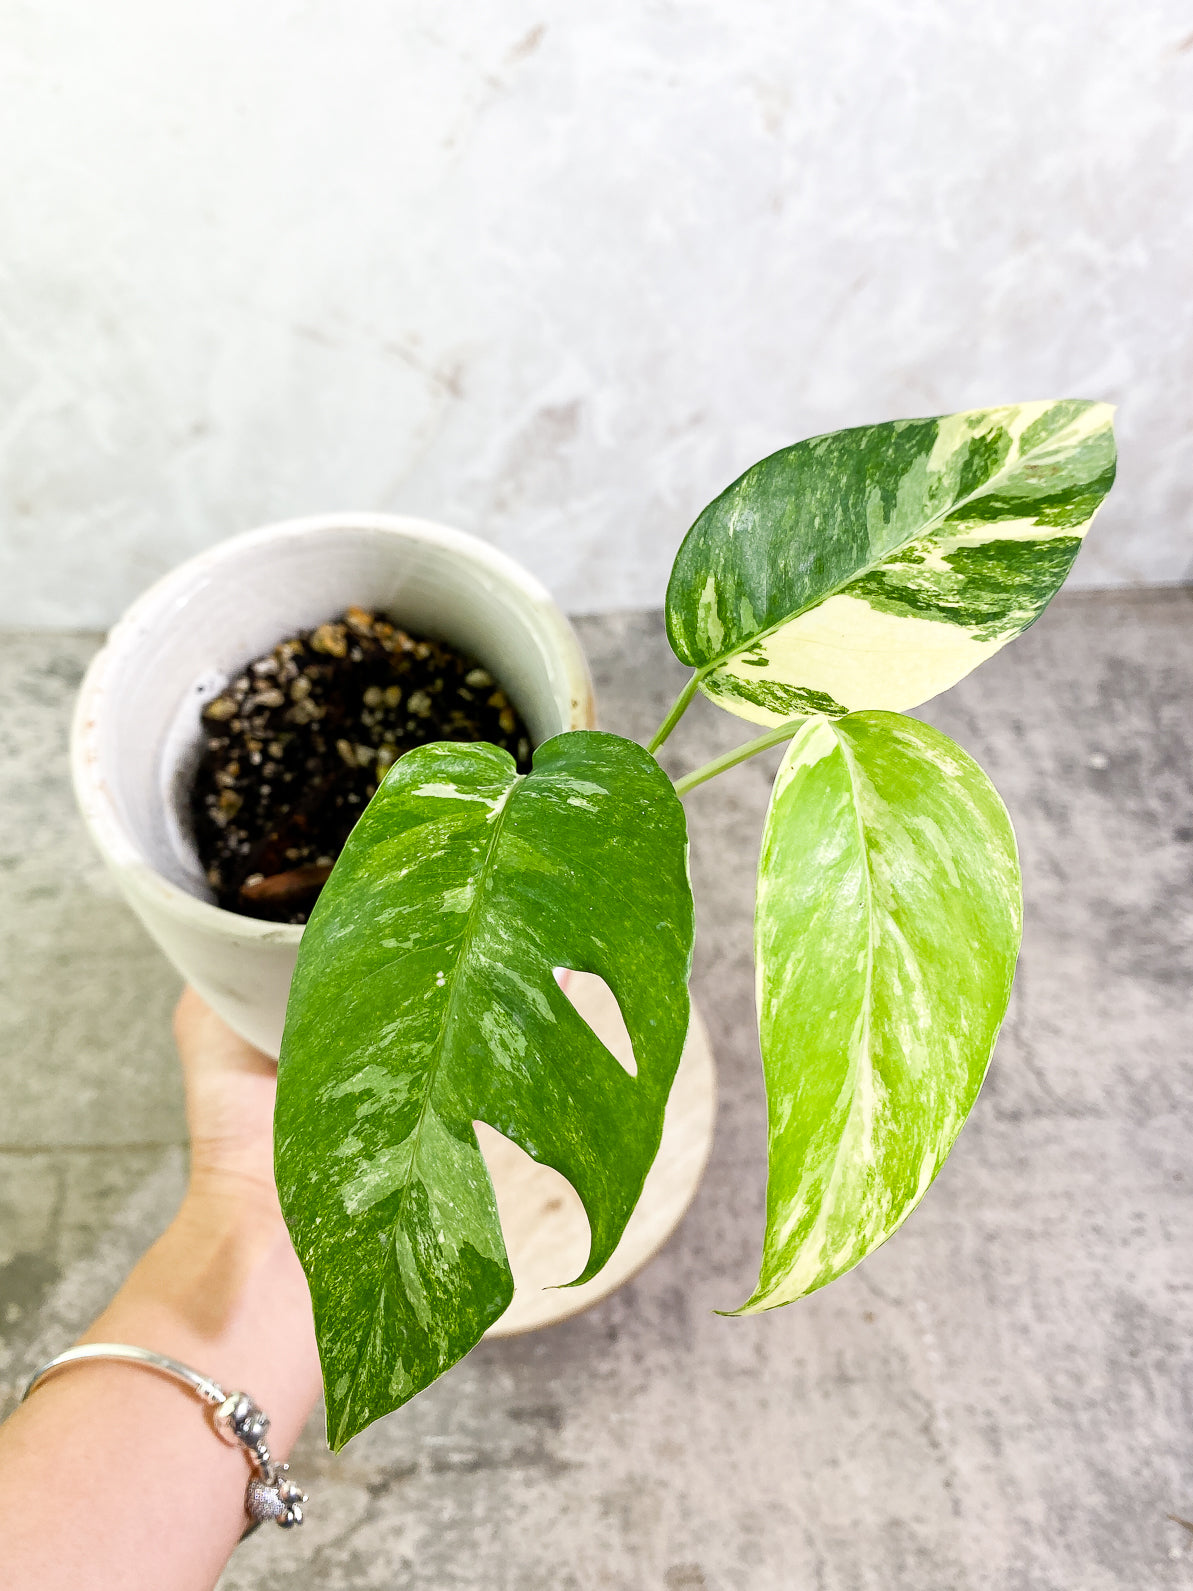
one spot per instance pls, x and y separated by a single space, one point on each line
298 742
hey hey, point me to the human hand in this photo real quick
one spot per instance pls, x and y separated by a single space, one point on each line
225 1260
230 1088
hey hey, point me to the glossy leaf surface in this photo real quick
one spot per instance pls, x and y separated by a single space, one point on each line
425 999
875 567
886 930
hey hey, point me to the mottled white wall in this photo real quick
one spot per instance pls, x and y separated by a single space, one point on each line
555 272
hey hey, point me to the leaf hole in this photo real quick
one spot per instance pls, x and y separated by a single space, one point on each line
546 1231
595 1001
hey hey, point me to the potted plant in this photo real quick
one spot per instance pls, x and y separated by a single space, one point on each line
201 644
833 587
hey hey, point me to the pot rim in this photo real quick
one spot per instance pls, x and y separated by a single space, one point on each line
100 813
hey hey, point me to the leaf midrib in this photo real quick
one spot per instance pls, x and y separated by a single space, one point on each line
868 996
465 940
864 848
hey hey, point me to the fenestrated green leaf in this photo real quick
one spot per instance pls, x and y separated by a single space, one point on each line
886 930
874 567
425 999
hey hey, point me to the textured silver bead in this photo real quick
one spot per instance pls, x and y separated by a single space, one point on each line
262 1502
278 1499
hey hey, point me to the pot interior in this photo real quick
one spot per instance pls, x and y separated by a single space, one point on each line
182 642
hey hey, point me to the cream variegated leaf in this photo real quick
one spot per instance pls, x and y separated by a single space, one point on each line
425 999
875 567
886 930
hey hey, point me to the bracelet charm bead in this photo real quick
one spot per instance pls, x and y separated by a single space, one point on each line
269 1495
278 1499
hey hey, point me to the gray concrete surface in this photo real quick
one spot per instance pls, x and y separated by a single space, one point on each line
999 1398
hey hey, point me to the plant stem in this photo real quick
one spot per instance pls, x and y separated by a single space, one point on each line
678 708
730 759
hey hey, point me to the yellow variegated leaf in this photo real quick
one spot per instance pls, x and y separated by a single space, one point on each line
875 567
886 930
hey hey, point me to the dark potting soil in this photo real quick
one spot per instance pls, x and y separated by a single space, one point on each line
298 742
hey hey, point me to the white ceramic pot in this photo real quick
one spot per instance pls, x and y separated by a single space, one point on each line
137 733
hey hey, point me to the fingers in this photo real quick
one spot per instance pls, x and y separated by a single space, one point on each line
206 1043
230 1087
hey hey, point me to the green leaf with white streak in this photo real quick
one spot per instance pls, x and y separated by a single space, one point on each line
875 567
886 930
425 999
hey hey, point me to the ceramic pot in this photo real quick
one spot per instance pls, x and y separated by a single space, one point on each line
137 734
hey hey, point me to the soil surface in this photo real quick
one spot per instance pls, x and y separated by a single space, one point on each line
298 742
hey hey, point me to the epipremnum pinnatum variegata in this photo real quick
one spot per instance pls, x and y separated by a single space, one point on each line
425 999
833 586
875 567
886 929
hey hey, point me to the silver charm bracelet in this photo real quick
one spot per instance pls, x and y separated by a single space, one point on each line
236 1418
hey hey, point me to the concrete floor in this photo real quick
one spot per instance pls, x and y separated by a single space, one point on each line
999 1398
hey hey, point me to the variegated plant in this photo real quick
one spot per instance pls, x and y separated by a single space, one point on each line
835 585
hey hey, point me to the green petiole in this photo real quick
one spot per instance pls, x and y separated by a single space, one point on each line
730 759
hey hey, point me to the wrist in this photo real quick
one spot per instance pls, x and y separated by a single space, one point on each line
222 1291
223 1178
225 1204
